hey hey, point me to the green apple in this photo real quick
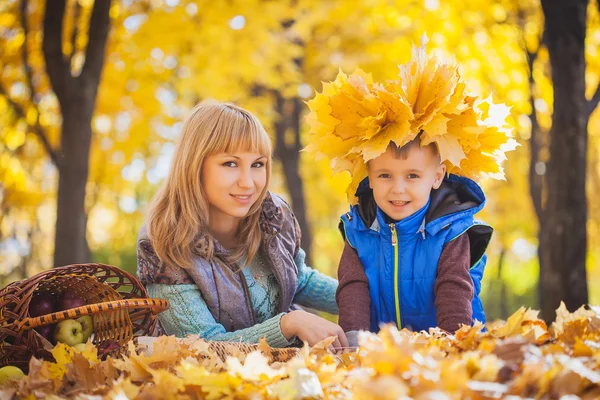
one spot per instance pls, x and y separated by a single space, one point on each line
87 326
79 347
10 373
69 332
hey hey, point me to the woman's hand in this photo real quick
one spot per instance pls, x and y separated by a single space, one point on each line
311 328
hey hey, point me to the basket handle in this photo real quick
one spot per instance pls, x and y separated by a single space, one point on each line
156 305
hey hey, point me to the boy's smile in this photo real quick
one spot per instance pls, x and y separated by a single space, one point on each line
402 183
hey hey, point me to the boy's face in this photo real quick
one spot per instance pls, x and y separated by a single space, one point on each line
402 187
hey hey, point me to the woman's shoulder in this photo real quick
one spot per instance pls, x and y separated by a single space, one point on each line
275 200
150 270
276 210
277 217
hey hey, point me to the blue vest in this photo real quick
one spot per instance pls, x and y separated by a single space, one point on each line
402 274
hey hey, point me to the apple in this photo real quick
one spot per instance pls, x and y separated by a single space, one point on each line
68 300
79 347
41 304
10 373
46 331
87 326
68 332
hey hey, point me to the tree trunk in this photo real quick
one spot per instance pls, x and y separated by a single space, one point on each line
536 144
77 98
70 243
289 155
564 237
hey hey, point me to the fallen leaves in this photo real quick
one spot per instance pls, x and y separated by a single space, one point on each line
519 357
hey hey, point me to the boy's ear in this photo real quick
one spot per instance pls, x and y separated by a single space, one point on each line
439 175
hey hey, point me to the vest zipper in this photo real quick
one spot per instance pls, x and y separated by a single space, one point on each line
396 296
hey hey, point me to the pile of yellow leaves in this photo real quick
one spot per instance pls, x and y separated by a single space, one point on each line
354 119
516 358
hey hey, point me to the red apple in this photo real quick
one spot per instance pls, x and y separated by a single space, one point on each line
41 304
46 331
68 300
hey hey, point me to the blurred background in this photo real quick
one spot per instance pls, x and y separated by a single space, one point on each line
93 94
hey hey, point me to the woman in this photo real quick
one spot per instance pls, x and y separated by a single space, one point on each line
224 250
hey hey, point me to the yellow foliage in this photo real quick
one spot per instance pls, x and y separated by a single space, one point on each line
63 355
354 120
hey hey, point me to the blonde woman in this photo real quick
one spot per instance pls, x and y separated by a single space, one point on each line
224 250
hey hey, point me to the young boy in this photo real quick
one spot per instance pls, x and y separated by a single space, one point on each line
413 255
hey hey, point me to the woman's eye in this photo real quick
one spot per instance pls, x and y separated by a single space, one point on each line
230 164
258 164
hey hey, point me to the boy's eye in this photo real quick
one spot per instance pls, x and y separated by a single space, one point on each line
384 176
413 176
258 164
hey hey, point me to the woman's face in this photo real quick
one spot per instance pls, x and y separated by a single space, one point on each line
233 182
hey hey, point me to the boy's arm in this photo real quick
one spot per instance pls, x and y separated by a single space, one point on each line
352 295
454 286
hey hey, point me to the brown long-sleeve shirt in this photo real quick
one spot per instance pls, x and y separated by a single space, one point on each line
453 288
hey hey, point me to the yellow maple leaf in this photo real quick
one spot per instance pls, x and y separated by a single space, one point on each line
512 325
435 94
437 126
358 173
123 388
90 352
583 324
381 388
448 146
255 367
166 384
411 74
582 349
301 383
468 337
63 356
489 365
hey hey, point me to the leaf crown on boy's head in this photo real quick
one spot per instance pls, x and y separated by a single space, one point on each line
354 120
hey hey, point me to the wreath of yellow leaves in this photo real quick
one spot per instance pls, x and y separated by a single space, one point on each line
353 120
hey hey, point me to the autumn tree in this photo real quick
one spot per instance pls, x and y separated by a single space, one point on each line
76 92
73 50
563 230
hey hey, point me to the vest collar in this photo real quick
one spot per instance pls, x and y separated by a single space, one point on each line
405 228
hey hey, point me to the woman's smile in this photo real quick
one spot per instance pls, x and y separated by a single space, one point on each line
243 199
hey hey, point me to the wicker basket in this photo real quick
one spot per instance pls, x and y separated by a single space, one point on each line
116 300
236 349
225 349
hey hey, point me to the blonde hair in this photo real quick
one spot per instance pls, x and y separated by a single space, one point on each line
180 210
